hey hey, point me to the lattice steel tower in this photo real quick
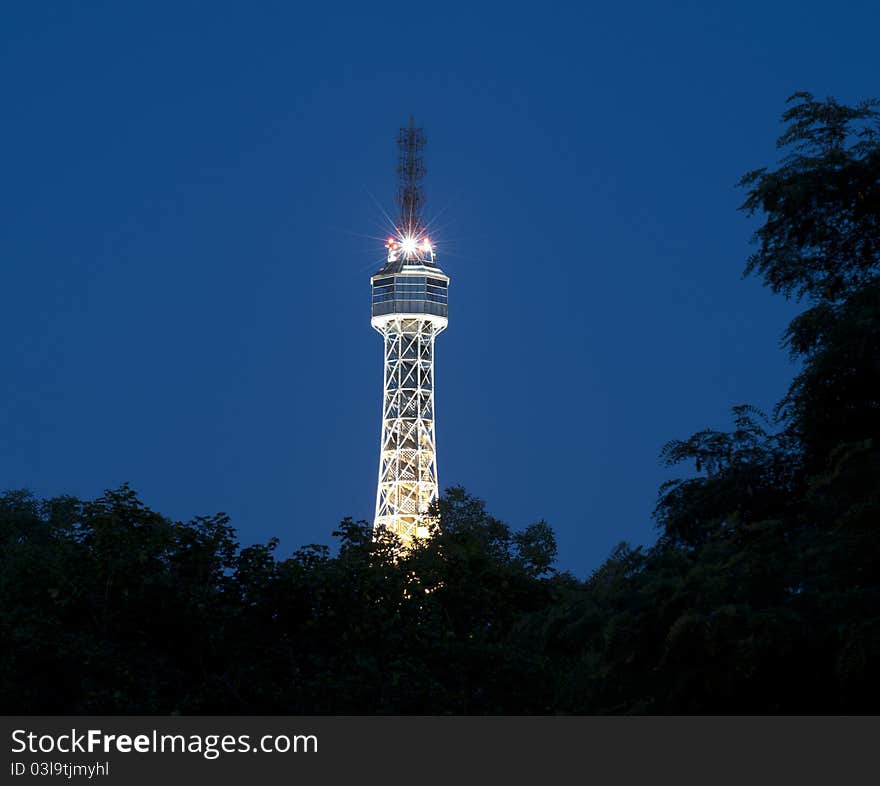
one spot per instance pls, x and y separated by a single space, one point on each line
409 310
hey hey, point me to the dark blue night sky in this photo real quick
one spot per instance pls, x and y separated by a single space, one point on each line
192 203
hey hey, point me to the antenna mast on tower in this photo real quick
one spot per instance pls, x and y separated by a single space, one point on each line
410 171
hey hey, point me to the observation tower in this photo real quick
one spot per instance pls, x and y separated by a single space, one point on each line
409 310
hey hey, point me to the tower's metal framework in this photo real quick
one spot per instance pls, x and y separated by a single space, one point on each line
409 310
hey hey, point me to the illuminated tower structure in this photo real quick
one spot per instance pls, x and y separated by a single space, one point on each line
409 310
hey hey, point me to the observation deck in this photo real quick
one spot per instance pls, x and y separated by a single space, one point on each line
405 289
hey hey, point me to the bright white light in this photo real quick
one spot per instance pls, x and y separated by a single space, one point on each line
409 245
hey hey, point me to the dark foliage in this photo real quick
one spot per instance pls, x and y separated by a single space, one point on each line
762 593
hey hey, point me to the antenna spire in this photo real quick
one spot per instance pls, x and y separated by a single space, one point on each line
410 171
